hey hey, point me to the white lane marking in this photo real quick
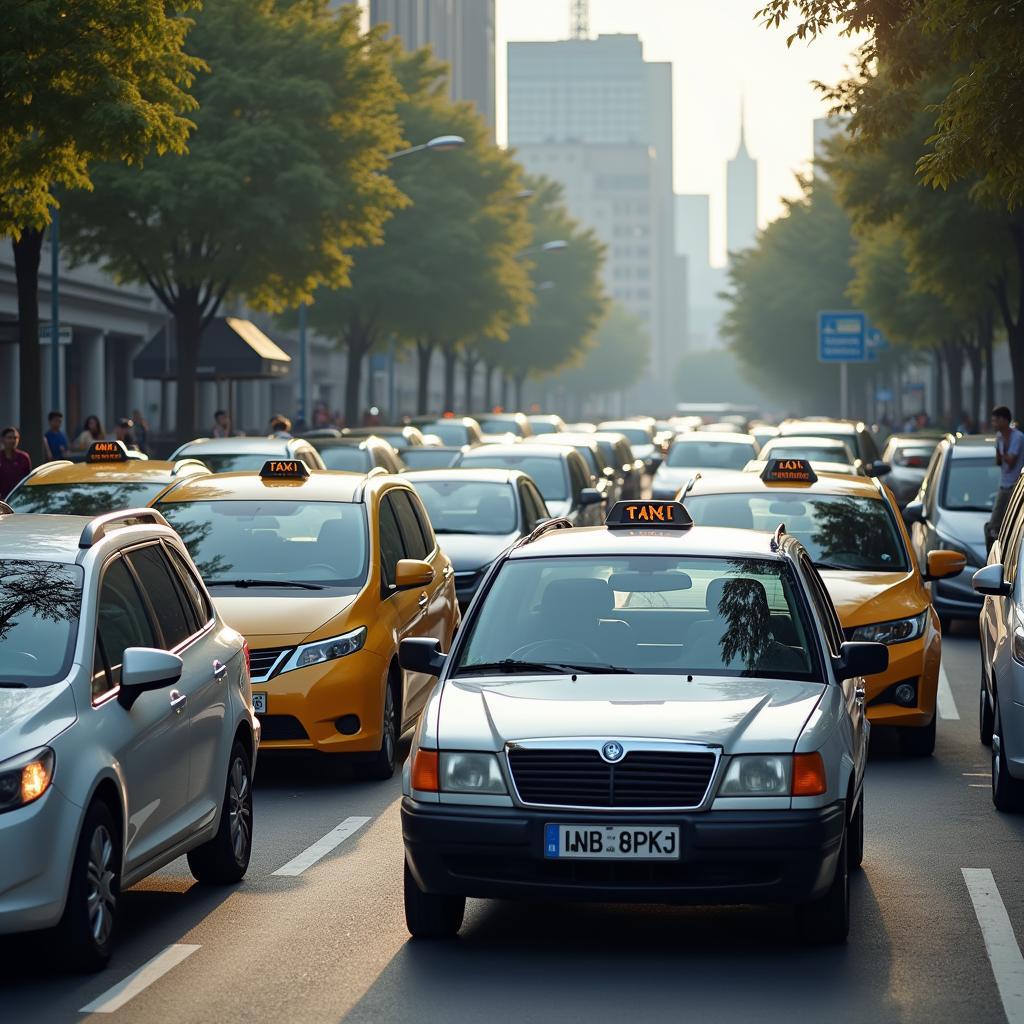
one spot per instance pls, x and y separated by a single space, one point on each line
321 847
977 775
947 706
114 998
1000 942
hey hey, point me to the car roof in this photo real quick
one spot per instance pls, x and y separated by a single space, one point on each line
566 437
37 538
546 449
713 437
816 426
748 482
484 476
356 441
320 485
132 471
241 445
800 440
966 446
613 426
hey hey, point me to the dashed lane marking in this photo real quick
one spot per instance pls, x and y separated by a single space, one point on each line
947 706
114 998
321 847
1000 942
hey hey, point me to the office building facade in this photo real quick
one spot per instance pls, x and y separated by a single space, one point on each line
741 197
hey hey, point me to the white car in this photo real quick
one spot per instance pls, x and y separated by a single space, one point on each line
701 454
615 721
237 454
127 736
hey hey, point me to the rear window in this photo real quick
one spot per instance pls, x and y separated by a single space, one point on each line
710 455
970 485
548 473
468 506
348 458
449 432
500 426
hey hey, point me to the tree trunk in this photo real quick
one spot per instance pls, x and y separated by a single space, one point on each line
520 381
424 357
488 387
503 390
990 379
357 343
469 365
188 329
975 358
27 250
940 385
449 355
954 356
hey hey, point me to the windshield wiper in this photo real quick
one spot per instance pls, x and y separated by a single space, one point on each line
512 667
263 583
13 686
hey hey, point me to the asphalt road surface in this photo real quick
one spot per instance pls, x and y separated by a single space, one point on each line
316 932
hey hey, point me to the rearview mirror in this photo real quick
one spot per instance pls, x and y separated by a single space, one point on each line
590 496
413 572
861 659
146 668
423 655
877 468
991 581
943 564
913 513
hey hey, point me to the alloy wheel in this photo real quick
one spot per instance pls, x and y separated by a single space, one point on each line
100 881
239 810
390 727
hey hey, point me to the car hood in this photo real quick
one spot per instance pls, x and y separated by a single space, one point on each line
862 598
31 717
966 528
471 551
753 715
275 621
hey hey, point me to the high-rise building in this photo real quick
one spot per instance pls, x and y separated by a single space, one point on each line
460 32
741 196
595 116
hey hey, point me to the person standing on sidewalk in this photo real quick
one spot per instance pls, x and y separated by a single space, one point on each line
1009 459
15 464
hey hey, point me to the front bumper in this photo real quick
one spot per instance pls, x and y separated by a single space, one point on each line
727 857
916 662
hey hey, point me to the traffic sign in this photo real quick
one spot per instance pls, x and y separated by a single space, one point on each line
63 333
876 343
842 336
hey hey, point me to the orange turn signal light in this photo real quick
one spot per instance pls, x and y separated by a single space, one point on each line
809 775
425 775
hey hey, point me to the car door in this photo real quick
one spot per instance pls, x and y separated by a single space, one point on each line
150 741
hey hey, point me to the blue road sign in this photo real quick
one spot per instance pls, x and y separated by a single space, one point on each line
842 336
883 395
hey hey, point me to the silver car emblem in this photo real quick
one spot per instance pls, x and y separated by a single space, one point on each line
612 751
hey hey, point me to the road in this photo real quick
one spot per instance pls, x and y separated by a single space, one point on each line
327 943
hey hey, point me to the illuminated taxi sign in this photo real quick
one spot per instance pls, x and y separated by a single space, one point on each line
788 471
107 451
659 515
284 469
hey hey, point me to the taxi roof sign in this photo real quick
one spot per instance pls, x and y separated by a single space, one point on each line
655 515
788 471
284 469
107 451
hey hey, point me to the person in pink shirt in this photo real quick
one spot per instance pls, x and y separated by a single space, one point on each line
15 464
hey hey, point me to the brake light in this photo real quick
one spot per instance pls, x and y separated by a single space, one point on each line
425 776
809 775
245 654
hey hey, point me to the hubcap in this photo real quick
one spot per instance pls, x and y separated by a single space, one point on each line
389 724
239 810
100 883
995 760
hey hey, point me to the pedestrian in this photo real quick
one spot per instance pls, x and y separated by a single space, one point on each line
141 431
92 431
280 426
56 440
1009 459
15 464
125 433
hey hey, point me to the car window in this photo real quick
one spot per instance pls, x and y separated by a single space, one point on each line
347 458
928 489
193 591
548 471
391 547
164 593
826 610
710 454
970 485
578 475
1011 550
424 521
122 622
412 537
469 506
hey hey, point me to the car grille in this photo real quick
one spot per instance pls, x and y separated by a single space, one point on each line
281 727
263 661
582 778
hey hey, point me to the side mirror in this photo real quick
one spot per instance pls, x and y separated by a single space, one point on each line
877 468
590 496
913 513
413 572
422 655
861 659
146 668
943 564
990 581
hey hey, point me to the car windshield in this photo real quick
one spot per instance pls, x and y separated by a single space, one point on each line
543 427
500 426
812 453
451 432
347 457
316 542
468 506
850 440
642 614
428 457
634 435
548 472
710 454
912 457
40 605
226 462
970 485
83 499
838 531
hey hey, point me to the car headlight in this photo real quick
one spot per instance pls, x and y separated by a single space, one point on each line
897 631
757 775
471 773
326 650
25 778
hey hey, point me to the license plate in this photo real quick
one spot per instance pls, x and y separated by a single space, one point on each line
259 703
611 842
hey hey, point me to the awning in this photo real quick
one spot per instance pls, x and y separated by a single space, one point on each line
230 349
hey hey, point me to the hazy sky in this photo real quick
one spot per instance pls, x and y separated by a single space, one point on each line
719 53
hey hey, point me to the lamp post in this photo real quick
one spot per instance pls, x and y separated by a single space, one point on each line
55 396
555 245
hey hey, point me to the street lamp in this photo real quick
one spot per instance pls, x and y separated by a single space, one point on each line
556 245
439 144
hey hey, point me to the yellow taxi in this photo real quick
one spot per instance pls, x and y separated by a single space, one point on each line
860 550
324 573
108 479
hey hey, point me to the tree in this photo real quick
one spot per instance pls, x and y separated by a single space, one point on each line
82 81
282 181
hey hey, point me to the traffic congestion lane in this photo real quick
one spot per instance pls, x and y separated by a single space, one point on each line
330 944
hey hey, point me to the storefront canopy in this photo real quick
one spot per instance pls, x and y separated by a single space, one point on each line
230 349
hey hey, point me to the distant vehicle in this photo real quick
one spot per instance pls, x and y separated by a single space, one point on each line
583 427
558 471
721 428
856 435
628 469
476 514
452 430
825 454
640 437
603 476
909 455
127 736
762 433
359 455
497 426
695 453
546 424
431 456
397 437
244 454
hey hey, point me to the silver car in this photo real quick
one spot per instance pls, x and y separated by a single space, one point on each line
704 454
236 454
127 736
616 722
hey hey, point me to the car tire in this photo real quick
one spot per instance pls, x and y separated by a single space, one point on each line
381 764
826 920
856 840
224 859
431 915
919 740
1007 792
85 935
985 717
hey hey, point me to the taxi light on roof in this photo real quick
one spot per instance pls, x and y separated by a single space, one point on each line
107 451
788 471
809 775
284 469
657 515
425 774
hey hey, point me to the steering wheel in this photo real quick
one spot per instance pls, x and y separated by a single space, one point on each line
558 650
